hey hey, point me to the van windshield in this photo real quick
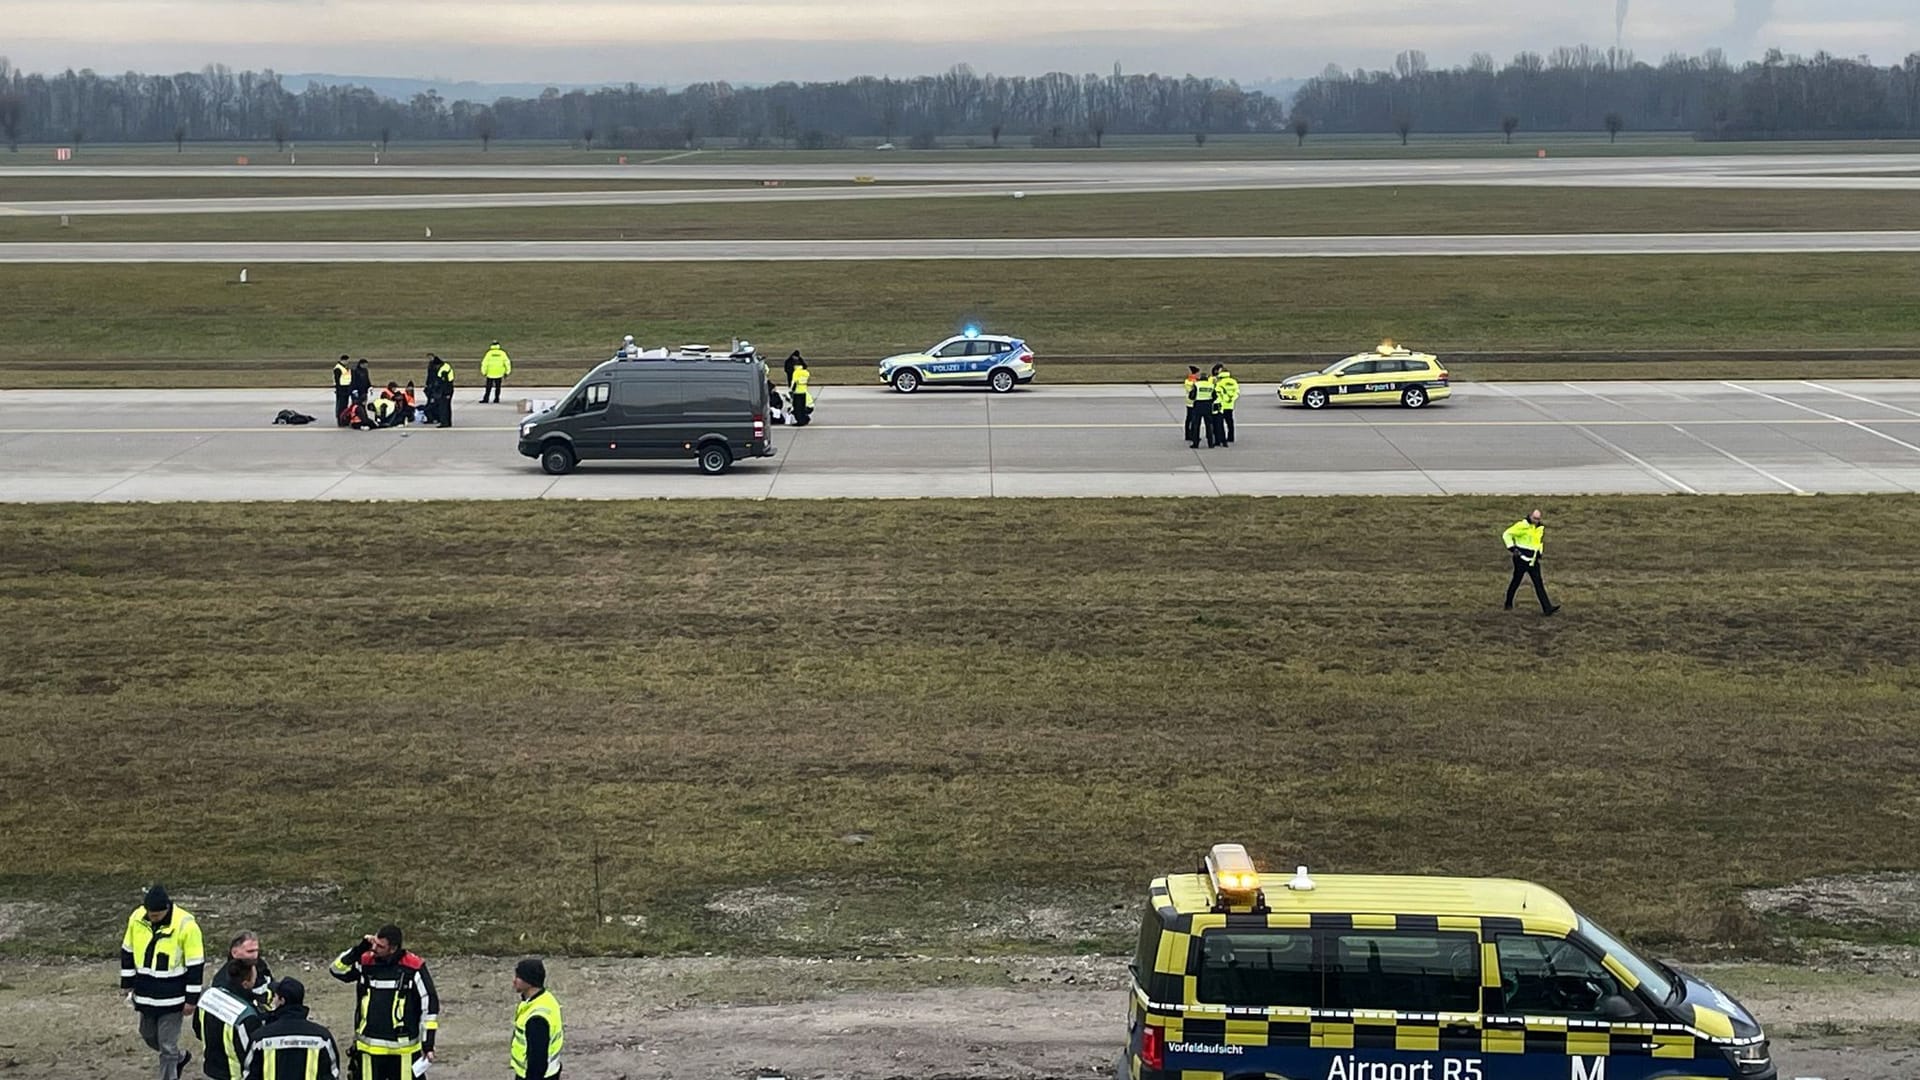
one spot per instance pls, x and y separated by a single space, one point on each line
1652 979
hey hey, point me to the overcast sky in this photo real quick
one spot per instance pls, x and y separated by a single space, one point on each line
661 41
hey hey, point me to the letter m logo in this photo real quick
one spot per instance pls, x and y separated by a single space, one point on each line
1584 1071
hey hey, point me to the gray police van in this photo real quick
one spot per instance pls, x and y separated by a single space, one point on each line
689 404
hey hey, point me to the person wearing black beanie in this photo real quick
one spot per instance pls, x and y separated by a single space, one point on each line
163 971
538 1036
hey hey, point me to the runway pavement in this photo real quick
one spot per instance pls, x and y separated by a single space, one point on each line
1075 176
1075 247
1121 440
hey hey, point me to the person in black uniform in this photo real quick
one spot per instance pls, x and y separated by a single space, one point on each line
396 1011
362 382
290 1045
245 946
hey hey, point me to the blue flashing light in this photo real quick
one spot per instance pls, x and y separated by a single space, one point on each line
973 331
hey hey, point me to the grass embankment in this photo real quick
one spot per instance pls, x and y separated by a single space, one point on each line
812 729
1409 211
175 325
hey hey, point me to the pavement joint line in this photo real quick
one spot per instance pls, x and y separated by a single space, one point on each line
1729 455
152 465
1857 397
1830 416
1408 458
1657 473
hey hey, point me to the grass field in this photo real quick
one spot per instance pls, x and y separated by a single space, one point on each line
190 325
1219 147
1311 212
63 188
452 714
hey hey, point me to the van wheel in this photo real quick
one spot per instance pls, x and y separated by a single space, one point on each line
557 459
1413 397
715 458
1315 398
906 380
1002 381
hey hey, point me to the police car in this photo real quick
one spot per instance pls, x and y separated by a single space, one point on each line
1384 376
1247 975
968 358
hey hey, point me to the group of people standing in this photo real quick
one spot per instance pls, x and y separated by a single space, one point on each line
252 1027
1210 400
356 406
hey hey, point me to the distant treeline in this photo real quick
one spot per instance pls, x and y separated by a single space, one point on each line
221 104
1578 89
1571 89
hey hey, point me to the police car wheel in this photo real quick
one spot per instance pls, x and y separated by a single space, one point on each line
1314 399
556 460
1002 381
1413 397
715 459
906 381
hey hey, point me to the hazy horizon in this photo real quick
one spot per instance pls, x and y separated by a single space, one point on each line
762 41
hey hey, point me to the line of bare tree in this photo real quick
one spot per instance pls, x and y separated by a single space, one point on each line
1588 89
218 103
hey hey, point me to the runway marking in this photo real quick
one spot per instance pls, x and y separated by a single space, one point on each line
1653 471
1729 455
1830 416
1858 397
1294 425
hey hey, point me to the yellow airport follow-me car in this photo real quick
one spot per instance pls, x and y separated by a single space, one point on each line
1388 375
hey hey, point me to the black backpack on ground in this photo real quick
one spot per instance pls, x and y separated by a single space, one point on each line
288 416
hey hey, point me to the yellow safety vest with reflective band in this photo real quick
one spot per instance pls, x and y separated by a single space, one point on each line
341 375
445 373
1203 391
799 387
542 1005
496 365
1525 534
162 965
1229 389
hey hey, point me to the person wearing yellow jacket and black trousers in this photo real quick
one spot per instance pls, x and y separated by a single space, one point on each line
1226 391
1526 540
342 390
163 970
396 1010
494 366
799 393
538 1036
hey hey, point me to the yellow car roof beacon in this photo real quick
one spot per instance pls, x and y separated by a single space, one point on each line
1234 881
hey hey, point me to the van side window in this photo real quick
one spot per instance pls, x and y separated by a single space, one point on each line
595 397
1258 968
1550 976
1404 972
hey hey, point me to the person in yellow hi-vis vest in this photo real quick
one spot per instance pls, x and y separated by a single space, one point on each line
1226 392
538 1036
494 366
1526 539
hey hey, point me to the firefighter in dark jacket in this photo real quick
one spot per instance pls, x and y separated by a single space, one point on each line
290 1045
396 1010
227 1020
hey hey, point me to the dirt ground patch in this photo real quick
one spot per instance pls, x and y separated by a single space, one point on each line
1031 1018
1889 903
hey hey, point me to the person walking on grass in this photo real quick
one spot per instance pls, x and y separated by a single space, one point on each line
1526 540
163 971
494 366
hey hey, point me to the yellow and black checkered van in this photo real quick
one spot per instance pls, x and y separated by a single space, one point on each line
1245 976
